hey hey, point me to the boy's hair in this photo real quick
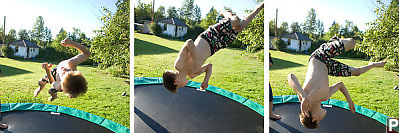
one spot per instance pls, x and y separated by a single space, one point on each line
74 84
307 121
169 81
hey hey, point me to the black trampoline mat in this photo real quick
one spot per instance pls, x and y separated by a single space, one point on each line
191 111
337 120
45 122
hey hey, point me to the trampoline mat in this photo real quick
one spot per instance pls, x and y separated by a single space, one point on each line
189 110
337 120
45 122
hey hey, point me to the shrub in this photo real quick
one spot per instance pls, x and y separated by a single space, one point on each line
193 32
279 44
155 29
7 51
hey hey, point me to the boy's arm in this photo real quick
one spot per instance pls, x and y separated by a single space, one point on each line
302 95
341 87
184 53
244 23
75 61
208 70
47 67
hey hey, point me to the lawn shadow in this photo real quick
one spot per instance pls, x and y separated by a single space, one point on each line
283 64
148 48
11 71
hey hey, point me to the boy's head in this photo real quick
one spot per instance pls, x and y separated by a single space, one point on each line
73 84
172 82
313 119
307 122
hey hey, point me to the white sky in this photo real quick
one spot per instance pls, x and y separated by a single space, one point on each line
238 6
82 14
359 12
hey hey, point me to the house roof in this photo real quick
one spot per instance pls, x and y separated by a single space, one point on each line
173 21
24 43
297 36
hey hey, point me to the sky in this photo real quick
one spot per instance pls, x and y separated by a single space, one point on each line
57 14
359 12
238 6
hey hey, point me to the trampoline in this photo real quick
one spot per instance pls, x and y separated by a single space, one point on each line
339 119
190 110
44 118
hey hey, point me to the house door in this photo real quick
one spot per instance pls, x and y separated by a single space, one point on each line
27 52
300 45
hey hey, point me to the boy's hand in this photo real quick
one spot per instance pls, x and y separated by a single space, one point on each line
204 85
352 106
67 42
46 66
305 106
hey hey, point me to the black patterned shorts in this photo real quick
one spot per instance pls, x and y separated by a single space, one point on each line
219 35
329 50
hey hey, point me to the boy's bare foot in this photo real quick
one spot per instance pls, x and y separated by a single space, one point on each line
52 98
378 64
275 117
3 126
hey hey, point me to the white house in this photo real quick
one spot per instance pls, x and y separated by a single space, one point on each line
24 48
173 27
297 41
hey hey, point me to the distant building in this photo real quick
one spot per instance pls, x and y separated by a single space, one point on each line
297 41
173 27
24 48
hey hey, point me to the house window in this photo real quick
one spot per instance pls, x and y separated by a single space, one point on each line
179 28
16 49
164 27
289 42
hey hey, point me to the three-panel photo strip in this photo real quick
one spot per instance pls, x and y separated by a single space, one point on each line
199 66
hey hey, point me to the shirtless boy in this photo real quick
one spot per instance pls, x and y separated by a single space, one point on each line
65 77
316 88
192 55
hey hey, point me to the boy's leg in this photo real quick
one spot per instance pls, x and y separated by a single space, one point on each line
42 83
349 43
356 71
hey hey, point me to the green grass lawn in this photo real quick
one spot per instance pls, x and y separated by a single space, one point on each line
104 96
242 75
373 89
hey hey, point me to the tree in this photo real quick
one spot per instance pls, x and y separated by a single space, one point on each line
160 13
142 12
319 29
47 36
23 35
382 38
172 12
310 23
333 30
110 46
295 27
11 36
197 14
187 11
38 31
210 19
272 27
252 35
283 28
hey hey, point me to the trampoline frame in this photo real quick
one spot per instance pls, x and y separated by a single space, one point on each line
337 103
245 101
111 125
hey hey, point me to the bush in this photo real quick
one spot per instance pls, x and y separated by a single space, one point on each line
155 29
279 44
7 51
236 44
193 32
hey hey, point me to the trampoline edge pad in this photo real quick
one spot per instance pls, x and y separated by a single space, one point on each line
111 125
338 103
250 104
